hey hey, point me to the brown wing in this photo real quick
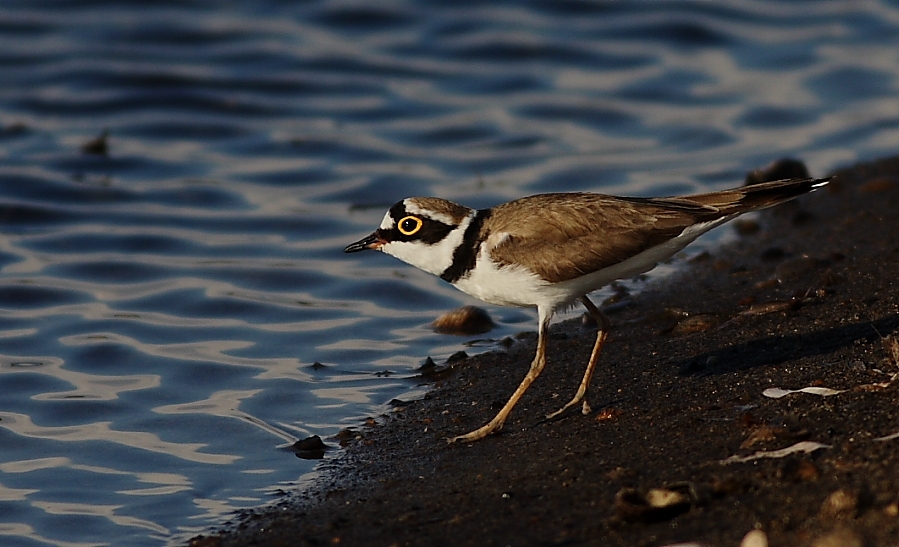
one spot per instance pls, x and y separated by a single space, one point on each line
595 230
598 231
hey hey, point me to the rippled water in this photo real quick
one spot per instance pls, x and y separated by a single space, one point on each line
162 305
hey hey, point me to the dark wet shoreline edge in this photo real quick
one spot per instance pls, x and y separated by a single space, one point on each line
372 495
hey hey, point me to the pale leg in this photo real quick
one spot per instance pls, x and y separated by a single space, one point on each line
603 325
536 368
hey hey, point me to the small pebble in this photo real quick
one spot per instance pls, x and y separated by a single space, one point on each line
310 448
655 505
428 366
607 414
696 323
662 497
841 537
310 443
840 504
763 434
755 538
457 357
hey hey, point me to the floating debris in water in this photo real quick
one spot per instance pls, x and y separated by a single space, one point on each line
98 146
17 128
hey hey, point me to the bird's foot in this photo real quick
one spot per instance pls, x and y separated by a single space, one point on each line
567 409
477 434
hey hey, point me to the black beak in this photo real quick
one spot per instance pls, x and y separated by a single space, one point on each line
370 242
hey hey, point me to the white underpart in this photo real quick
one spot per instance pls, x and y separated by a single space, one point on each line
434 258
508 286
517 286
563 294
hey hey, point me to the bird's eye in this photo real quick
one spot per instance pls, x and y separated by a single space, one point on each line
409 225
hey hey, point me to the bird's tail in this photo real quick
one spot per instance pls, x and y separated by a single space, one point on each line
757 196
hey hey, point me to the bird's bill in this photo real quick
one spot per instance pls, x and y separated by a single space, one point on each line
370 242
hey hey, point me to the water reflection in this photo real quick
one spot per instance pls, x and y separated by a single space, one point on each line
100 431
225 404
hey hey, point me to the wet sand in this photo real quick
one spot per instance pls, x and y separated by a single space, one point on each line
683 444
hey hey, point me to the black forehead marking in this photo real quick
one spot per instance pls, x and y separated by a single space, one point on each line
431 230
398 211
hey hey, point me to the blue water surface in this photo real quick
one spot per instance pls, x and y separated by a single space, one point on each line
163 304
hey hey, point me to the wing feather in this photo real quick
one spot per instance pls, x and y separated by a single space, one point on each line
598 231
595 230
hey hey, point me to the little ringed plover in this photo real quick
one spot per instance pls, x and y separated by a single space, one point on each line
551 250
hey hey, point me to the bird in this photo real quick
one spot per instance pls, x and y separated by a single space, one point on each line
550 251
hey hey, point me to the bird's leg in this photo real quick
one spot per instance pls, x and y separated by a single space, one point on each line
536 368
603 324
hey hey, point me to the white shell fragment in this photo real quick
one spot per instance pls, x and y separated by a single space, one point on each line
662 497
804 446
755 538
777 393
888 437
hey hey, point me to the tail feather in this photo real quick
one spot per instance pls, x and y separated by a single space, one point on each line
758 196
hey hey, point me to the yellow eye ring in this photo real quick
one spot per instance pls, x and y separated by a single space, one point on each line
409 225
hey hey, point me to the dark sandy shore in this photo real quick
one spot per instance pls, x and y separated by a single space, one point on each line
682 444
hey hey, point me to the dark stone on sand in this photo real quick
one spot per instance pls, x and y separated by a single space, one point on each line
400 482
457 357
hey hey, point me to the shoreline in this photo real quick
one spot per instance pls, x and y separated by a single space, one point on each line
683 411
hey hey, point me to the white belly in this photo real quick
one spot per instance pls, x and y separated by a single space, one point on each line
517 286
